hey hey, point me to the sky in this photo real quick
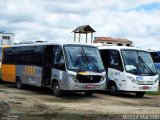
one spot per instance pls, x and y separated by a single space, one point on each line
54 20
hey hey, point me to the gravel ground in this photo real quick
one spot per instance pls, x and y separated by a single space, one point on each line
39 103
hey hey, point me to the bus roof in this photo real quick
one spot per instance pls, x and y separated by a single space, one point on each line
120 48
49 43
153 50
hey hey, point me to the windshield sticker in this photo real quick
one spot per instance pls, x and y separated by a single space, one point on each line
139 78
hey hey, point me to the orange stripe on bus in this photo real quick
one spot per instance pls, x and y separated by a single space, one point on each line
8 73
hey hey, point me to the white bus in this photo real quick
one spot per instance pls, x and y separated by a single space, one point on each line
156 59
62 67
128 69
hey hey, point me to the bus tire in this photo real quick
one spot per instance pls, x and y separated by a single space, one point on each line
140 94
56 89
88 93
19 84
113 89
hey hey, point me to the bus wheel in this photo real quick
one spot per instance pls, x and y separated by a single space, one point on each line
113 89
88 93
19 84
140 94
56 90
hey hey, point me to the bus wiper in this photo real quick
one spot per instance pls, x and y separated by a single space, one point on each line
149 69
91 63
71 57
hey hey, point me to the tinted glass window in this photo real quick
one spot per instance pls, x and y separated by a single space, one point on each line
23 56
138 62
58 61
80 58
105 58
115 60
155 56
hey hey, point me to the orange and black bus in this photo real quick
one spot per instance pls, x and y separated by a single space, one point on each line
62 67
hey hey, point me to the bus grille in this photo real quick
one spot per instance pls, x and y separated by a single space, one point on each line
145 82
140 82
150 82
88 78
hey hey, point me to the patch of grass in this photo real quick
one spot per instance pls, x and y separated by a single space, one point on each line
154 93
2 91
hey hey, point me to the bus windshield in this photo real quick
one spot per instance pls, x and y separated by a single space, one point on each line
138 62
83 58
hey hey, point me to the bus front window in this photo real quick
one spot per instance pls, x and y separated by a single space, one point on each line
83 58
138 62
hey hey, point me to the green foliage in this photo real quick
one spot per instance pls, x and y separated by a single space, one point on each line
154 93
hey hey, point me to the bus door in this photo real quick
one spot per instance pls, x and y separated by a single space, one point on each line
115 70
105 58
47 65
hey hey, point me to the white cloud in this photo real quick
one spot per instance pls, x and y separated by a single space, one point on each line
54 20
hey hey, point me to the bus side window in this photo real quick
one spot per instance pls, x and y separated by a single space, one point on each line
105 58
115 60
155 56
0 54
59 60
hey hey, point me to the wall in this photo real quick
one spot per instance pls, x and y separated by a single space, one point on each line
6 41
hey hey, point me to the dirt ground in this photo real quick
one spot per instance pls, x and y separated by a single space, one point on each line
40 101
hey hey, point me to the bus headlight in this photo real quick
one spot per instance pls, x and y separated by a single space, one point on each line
103 78
73 77
156 80
132 79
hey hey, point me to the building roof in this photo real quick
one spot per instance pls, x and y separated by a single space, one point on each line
2 32
84 29
110 39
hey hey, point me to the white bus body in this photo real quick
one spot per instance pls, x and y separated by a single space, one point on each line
128 69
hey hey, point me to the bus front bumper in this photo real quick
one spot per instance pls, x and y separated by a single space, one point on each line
143 88
86 86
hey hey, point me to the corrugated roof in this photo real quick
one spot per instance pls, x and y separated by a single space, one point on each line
109 39
84 29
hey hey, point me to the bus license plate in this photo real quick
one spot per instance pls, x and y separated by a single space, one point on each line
89 86
145 87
